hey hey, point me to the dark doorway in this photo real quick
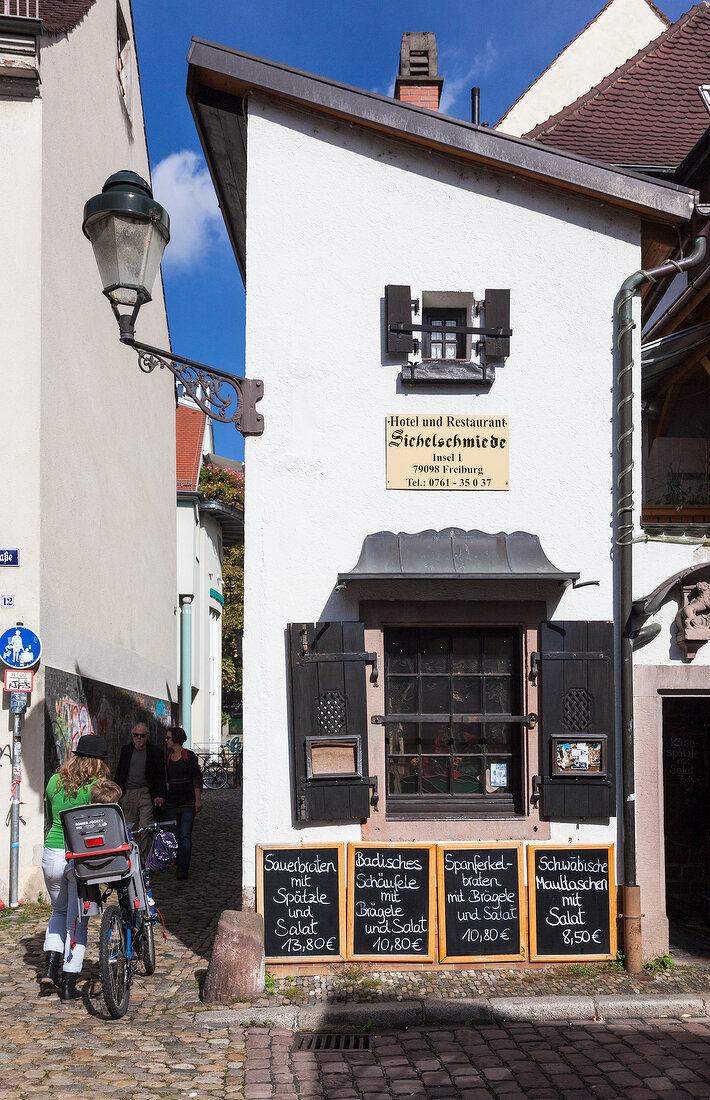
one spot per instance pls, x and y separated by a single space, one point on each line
686 784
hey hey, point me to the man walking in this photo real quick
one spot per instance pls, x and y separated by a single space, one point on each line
140 773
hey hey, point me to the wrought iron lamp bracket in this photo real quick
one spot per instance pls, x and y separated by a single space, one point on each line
222 396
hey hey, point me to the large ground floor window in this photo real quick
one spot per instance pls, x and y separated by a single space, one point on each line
453 746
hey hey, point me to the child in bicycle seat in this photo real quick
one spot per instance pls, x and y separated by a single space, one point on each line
105 791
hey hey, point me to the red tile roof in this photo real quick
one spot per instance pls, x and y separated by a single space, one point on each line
647 112
189 438
60 16
651 5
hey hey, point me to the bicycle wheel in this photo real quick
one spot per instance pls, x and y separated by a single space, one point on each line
148 948
215 777
113 962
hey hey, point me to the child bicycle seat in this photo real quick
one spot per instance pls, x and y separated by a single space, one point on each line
100 851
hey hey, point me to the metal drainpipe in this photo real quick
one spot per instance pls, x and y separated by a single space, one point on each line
186 666
623 507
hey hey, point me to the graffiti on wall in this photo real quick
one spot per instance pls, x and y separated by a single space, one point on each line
75 706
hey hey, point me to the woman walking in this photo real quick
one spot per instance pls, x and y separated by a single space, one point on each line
184 794
66 933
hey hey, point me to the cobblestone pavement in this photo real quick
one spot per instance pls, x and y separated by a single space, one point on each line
155 1051
629 1060
161 1048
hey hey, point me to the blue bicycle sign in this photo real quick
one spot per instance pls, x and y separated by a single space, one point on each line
20 647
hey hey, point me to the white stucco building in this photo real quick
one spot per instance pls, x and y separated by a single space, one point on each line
204 528
443 507
87 441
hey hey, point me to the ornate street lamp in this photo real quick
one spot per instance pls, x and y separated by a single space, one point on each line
128 231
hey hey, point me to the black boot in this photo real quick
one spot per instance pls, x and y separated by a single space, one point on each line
50 978
69 992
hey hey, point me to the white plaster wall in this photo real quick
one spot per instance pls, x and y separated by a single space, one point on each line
334 215
88 441
20 355
108 430
210 576
622 29
199 570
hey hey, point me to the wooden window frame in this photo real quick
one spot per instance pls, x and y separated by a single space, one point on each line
452 805
431 314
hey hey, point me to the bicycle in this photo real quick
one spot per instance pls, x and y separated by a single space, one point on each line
104 855
215 771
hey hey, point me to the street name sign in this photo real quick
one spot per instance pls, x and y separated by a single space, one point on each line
9 557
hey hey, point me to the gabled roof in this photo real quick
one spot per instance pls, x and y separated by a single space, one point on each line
60 16
648 112
220 82
649 3
189 439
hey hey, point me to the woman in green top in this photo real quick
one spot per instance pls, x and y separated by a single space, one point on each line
66 932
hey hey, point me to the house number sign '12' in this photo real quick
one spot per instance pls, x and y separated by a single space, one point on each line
447 452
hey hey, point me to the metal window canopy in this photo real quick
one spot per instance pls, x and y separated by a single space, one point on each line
454 555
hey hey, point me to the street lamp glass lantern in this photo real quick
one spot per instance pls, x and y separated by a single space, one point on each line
128 230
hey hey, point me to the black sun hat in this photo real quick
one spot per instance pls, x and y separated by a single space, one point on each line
92 744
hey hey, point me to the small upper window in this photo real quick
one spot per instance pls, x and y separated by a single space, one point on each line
124 70
445 342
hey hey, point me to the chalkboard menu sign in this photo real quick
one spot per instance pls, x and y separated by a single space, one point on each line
481 902
571 894
391 904
301 896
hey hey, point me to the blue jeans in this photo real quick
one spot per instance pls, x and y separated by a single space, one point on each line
185 820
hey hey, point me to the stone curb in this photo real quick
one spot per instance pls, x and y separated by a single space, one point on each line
460 1010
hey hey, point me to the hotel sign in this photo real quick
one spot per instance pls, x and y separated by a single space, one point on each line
447 452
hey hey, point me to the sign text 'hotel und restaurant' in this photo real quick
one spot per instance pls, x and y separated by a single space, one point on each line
447 452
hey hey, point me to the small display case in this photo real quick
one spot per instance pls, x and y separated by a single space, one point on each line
579 755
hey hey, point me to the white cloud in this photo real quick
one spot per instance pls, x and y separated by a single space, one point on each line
462 72
182 184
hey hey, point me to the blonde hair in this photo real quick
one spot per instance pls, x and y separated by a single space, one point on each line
78 771
105 791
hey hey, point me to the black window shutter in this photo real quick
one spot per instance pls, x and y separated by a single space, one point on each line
398 310
496 314
328 700
576 668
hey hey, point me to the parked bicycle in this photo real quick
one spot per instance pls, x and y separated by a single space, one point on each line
104 855
218 765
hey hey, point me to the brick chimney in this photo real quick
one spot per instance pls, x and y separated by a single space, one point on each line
418 82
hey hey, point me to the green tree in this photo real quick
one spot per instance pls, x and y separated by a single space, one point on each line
232 626
227 486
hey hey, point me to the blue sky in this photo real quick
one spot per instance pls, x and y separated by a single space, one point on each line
501 45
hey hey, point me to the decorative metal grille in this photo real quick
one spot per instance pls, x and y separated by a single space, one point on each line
576 709
330 713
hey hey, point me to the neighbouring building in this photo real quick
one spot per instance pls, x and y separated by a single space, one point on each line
204 528
87 441
618 32
652 114
429 581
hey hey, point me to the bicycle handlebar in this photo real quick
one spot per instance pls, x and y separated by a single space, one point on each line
152 828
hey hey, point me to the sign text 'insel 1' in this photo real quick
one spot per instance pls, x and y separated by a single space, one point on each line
447 452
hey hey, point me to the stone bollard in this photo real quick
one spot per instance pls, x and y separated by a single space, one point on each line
236 970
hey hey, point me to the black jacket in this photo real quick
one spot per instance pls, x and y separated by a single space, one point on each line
154 769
